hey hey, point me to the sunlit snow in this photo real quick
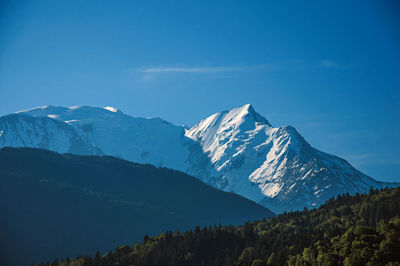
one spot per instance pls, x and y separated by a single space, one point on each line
236 150
111 109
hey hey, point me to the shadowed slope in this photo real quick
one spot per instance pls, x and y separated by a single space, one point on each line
56 205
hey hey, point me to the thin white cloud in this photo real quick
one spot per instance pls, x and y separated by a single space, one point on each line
328 63
217 69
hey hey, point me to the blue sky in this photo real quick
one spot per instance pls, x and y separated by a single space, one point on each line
329 68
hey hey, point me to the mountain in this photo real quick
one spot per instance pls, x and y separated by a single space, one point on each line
56 205
88 130
275 167
236 150
350 230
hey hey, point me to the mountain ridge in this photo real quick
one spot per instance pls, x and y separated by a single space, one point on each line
288 171
76 204
235 150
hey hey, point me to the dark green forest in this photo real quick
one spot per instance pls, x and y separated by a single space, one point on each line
58 205
349 230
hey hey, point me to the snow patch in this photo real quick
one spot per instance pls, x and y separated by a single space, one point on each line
111 109
31 109
53 116
71 121
271 189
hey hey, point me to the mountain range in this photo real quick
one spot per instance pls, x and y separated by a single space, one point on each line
236 150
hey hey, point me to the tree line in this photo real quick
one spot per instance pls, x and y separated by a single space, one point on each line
363 229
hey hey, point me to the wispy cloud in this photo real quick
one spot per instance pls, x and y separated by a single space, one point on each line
328 63
217 69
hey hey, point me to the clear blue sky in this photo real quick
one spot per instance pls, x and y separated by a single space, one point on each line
329 68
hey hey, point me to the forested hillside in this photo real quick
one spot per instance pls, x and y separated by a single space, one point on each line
54 205
348 230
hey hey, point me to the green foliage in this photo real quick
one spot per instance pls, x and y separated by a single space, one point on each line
349 230
57 205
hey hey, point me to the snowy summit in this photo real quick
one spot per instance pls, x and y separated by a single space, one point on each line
236 150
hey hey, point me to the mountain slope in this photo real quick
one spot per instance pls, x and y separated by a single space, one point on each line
349 230
275 167
106 131
236 150
43 132
56 205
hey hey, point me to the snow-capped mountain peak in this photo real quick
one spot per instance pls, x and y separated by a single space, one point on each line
223 134
256 116
235 150
273 166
